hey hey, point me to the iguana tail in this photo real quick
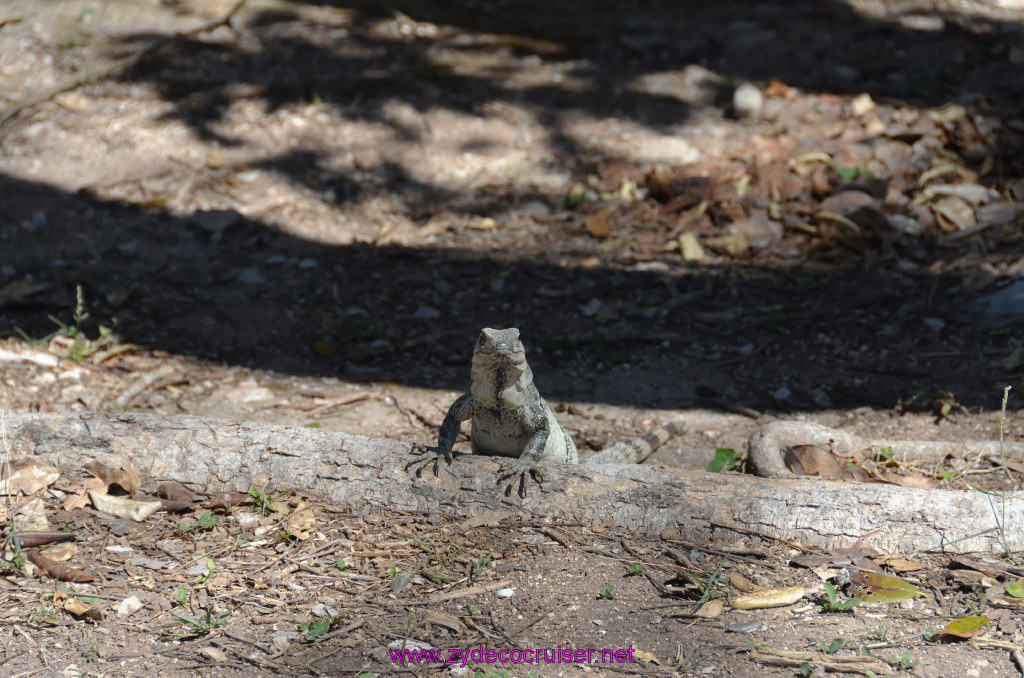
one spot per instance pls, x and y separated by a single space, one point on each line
635 451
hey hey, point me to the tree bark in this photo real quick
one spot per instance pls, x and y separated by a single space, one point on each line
362 473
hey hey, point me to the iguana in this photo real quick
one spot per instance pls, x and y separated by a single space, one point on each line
511 419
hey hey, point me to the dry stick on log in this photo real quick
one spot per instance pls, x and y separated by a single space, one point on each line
769 442
362 473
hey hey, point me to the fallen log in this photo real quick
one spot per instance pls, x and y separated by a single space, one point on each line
362 473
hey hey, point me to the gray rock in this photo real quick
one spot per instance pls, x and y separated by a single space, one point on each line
1002 307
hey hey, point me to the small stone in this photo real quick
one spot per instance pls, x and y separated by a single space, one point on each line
426 313
861 104
782 394
591 308
216 221
130 605
747 100
506 593
400 582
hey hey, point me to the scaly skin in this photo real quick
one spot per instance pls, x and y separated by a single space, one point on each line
511 419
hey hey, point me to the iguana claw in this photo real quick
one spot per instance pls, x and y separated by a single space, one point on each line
423 456
518 470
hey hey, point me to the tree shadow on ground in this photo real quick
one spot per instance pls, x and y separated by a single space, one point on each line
251 295
604 60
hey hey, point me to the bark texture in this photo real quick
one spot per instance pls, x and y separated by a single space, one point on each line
363 473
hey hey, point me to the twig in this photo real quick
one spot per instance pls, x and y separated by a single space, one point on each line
765 535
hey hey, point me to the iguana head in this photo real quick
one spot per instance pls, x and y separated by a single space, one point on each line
502 342
500 359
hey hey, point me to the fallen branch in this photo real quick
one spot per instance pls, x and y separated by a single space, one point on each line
357 472
769 443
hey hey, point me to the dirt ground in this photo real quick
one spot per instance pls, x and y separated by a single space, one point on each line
304 212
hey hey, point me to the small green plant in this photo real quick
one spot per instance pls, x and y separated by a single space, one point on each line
313 424
833 604
607 592
40 616
882 633
206 521
264 502
725 459
886 453
930 635
211 620
342 565
833 647
978 609
902 663
313 630
946 474
687 663
806 670
180 596
634 570
81 346
849 174
576 200
207 574
18 558
754 645
481 563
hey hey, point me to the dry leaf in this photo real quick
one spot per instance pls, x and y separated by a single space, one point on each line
61 553
645 656
486 519
125 477
443 619
919 482
741 583
899 564
31 517
80 609
690 248
965 627
302 523
765 598
734 244
812 460
709 610
872 587
1014 359
19 291
34 539
825 215
123 508
953 214
29 480
56 570
776 89
597 224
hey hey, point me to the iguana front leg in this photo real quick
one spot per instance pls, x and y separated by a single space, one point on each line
460 411
525 463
